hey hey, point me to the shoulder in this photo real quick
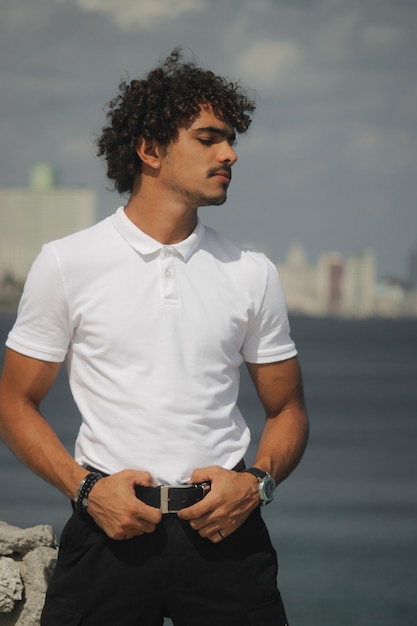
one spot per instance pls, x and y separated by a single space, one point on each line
229 250
94 234
251 263
82 248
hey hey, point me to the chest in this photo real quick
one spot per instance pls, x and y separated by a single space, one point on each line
135 310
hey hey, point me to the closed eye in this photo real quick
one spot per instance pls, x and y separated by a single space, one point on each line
208 135
209 142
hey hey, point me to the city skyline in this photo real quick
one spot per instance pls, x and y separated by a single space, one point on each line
344 287
354 253
46 176
32 215
332 286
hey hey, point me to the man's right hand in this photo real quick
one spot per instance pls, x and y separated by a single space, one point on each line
115 508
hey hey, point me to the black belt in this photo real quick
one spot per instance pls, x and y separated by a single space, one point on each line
172 498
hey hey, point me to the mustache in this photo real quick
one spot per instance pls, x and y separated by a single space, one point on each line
221 170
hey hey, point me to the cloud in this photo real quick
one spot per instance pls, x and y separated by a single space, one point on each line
381 150
267 62
78 147
334 39
382 36
129 14
16 15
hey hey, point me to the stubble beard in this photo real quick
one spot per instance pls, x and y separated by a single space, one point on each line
203 200
196 199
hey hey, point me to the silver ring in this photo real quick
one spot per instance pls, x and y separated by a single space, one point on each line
221 534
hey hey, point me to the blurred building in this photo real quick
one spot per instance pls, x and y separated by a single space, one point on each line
329 278
299 281
339 287
359 285
412 268
393 298
33 215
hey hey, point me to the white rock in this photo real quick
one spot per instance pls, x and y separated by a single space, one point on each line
21 541
11 585
36 569
25 572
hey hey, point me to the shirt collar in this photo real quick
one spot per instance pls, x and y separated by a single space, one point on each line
144 244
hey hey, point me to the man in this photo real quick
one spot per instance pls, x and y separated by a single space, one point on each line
154 314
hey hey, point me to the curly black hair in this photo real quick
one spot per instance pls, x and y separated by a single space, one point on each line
158 106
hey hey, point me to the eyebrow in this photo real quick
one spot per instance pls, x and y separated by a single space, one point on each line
221 132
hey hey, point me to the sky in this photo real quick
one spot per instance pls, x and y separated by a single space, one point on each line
331 157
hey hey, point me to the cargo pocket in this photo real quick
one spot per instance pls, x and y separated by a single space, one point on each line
272 614
59 613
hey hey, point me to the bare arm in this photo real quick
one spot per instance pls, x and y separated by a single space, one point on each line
284 437
23 385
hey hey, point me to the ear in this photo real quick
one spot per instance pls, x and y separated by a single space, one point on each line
149 152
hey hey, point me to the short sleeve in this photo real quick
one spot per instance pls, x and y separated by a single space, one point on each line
268 338
42 328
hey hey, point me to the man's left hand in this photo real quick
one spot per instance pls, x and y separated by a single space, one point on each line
233 496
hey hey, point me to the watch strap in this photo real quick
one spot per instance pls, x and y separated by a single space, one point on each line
266 484
255 471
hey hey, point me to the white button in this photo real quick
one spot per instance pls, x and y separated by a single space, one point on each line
168 273
169 252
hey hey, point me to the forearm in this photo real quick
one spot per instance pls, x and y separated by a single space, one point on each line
114 506
23 385
33 441
284 437
282 443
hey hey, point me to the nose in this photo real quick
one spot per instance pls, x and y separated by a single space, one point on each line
227 154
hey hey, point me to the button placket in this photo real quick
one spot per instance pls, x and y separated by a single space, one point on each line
168 282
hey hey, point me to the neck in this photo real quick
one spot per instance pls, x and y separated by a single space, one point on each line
160 217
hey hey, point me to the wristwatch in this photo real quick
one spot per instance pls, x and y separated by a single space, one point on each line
266 486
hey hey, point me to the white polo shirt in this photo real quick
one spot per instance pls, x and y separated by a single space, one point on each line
153 336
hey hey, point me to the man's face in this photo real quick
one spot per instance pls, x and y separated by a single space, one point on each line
197 164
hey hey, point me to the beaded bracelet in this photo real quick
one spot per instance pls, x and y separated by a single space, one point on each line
83 491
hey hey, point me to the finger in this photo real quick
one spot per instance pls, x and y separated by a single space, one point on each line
200 523
152 518
141 478
215 536
137 526
218 536
148 528
127 534
199 511
148 514
203 474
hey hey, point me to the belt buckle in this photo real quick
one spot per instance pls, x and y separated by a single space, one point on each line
165 497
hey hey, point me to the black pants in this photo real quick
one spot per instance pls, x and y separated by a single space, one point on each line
172 572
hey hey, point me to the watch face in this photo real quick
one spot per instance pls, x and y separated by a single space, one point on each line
268 488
